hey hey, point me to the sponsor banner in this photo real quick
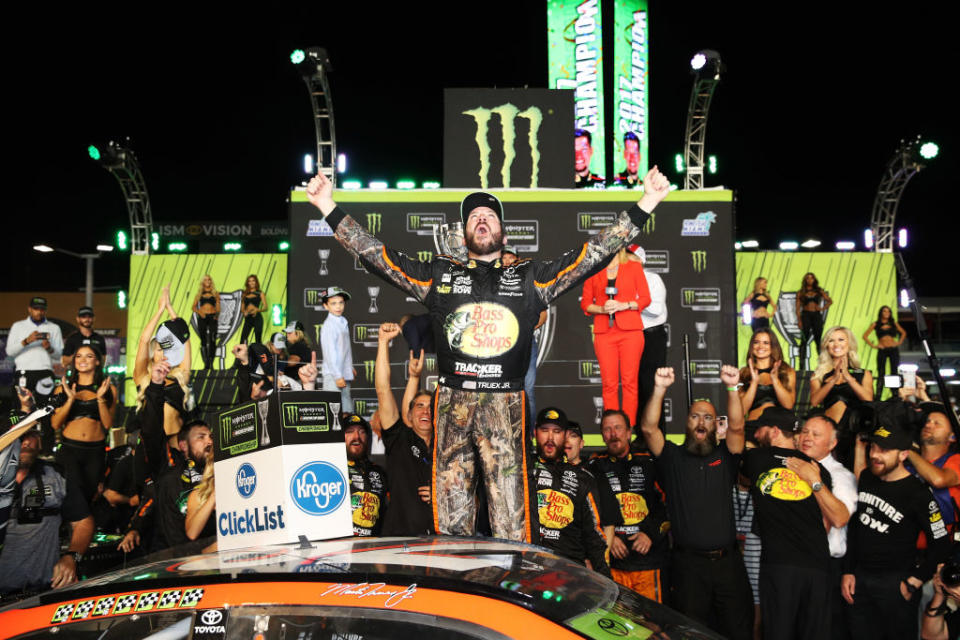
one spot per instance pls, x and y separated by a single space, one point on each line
239 430
251 508
307 416
523 235
423 224
698 258
705 371
313 297
317 490
366 334
319 229
699 226
631 78
595 222
365 407
216 230
588 371
700 298
658 261
481 330
575 61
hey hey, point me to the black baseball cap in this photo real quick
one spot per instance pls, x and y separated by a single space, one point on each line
509 249
778 417
553 415
892 437
38 302
84 311
480 199
354 420
574 427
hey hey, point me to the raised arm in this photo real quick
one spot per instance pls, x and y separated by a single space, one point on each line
387 404
936 477
408 275
142 362
414 372
650 422
730 376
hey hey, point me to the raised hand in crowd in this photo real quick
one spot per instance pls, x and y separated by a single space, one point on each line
320 193
159 371
308 373
655 189
663 378
415 365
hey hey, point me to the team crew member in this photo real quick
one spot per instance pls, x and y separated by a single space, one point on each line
938 462
709 581
174 486
792 498
566 506
631 510
574 443
409 456
368 481
881 578
483 317
85 335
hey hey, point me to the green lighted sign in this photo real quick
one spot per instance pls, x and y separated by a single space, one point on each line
575 61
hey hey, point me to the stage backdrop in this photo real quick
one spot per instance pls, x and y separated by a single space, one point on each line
183 272
858 283
688 241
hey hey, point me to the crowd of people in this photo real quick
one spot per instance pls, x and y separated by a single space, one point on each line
758 523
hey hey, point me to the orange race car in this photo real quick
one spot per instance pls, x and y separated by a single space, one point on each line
349 589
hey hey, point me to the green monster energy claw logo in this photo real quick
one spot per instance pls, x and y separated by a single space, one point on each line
693 368
369 366
225 428
290 413
586 368
688 296
650 224
584 220
361 332
360 407
424 256
313 296
414 222
373 222
508 114
430 364
699 260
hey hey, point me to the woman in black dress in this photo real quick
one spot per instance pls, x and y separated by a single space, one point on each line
207 307
812 300
759 300
890 335
253 304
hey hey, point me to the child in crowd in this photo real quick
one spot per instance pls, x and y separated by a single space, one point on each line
335 346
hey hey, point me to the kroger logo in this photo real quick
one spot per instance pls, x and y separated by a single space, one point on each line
246 480
318 488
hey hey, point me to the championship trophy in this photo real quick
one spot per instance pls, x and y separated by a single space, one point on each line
451 240
701 334
335 410
324 256
598 403
373 292
264 408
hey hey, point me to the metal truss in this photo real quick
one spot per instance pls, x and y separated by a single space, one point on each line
906 162
121 162
314 69
705 83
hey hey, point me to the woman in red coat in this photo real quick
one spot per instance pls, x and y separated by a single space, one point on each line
615 297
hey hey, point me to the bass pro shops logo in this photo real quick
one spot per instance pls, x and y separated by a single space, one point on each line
699 259
373 222
507 113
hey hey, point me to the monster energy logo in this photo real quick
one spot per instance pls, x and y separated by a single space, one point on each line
699 260
593 222
369 367
414 220
373 222
312 297
424 256
589 370
361 333
688 295
430 364
360 407
290 413
508 114
700 298
650 224
225 428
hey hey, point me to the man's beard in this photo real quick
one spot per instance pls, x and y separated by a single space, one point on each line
557 454
492 245
700 447
355 456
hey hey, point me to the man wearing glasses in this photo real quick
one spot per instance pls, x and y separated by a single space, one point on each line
709 581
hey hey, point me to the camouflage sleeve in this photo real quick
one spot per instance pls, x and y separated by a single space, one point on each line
408 275
555 277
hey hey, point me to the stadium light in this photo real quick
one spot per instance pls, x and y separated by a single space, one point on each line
810 244
308 163
341 163
232 246
406 184
175 247
106 248
678 163
697 61
378 184
712 164
846 245
929 150
430 185
902 238
122 240
42 248
904 299
750 244
868 238
738 245
297 56
155 241
789 245
352 184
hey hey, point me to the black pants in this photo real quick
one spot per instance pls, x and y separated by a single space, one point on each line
812 326
252 323
654 356
795 602
759 323
891 355
207 330
839 625
83 464
879 610
715 592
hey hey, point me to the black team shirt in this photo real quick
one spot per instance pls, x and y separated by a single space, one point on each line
882 535
698 496
368 496
409 465
788 518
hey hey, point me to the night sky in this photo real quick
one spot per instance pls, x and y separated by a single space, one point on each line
812 106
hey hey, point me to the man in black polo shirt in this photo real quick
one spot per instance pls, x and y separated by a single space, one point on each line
794 508
368 481
85 335
409 449
709 580
882 576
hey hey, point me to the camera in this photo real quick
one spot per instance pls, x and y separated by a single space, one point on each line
32 510
864 419
950 573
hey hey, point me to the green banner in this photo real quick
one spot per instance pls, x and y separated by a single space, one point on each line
631 95
575 61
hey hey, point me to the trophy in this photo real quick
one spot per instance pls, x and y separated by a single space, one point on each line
324 256
451 240
598 403
264 408
701 332
611 292
374 292
335 410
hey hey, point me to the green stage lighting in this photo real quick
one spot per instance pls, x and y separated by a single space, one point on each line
93 152
284 245
678 163
929 150
232 246
277 313
297 56
155 241
122 240
121 299
176 247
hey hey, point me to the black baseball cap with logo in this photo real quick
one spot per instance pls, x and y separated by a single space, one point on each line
553 415
355 420
84 311
891 437
38 302
574 427
480 199
778 417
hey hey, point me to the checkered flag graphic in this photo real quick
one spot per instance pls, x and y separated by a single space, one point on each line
169 599
191 597
125 603
147 601
62 614
103 606
83 609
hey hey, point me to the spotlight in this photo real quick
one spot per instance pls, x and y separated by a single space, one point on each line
341 163
176 247
232 246
810 244
297 56
868 239
308 164
947 372
929 150
706 63
283 246
678 163
352 184
122 240
788 245
105 247
902 238
430 185
406 184
750 244
697 61
42 248
846 245
378 184
738 245
904 299
121 299
155 241
712 164
93 152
